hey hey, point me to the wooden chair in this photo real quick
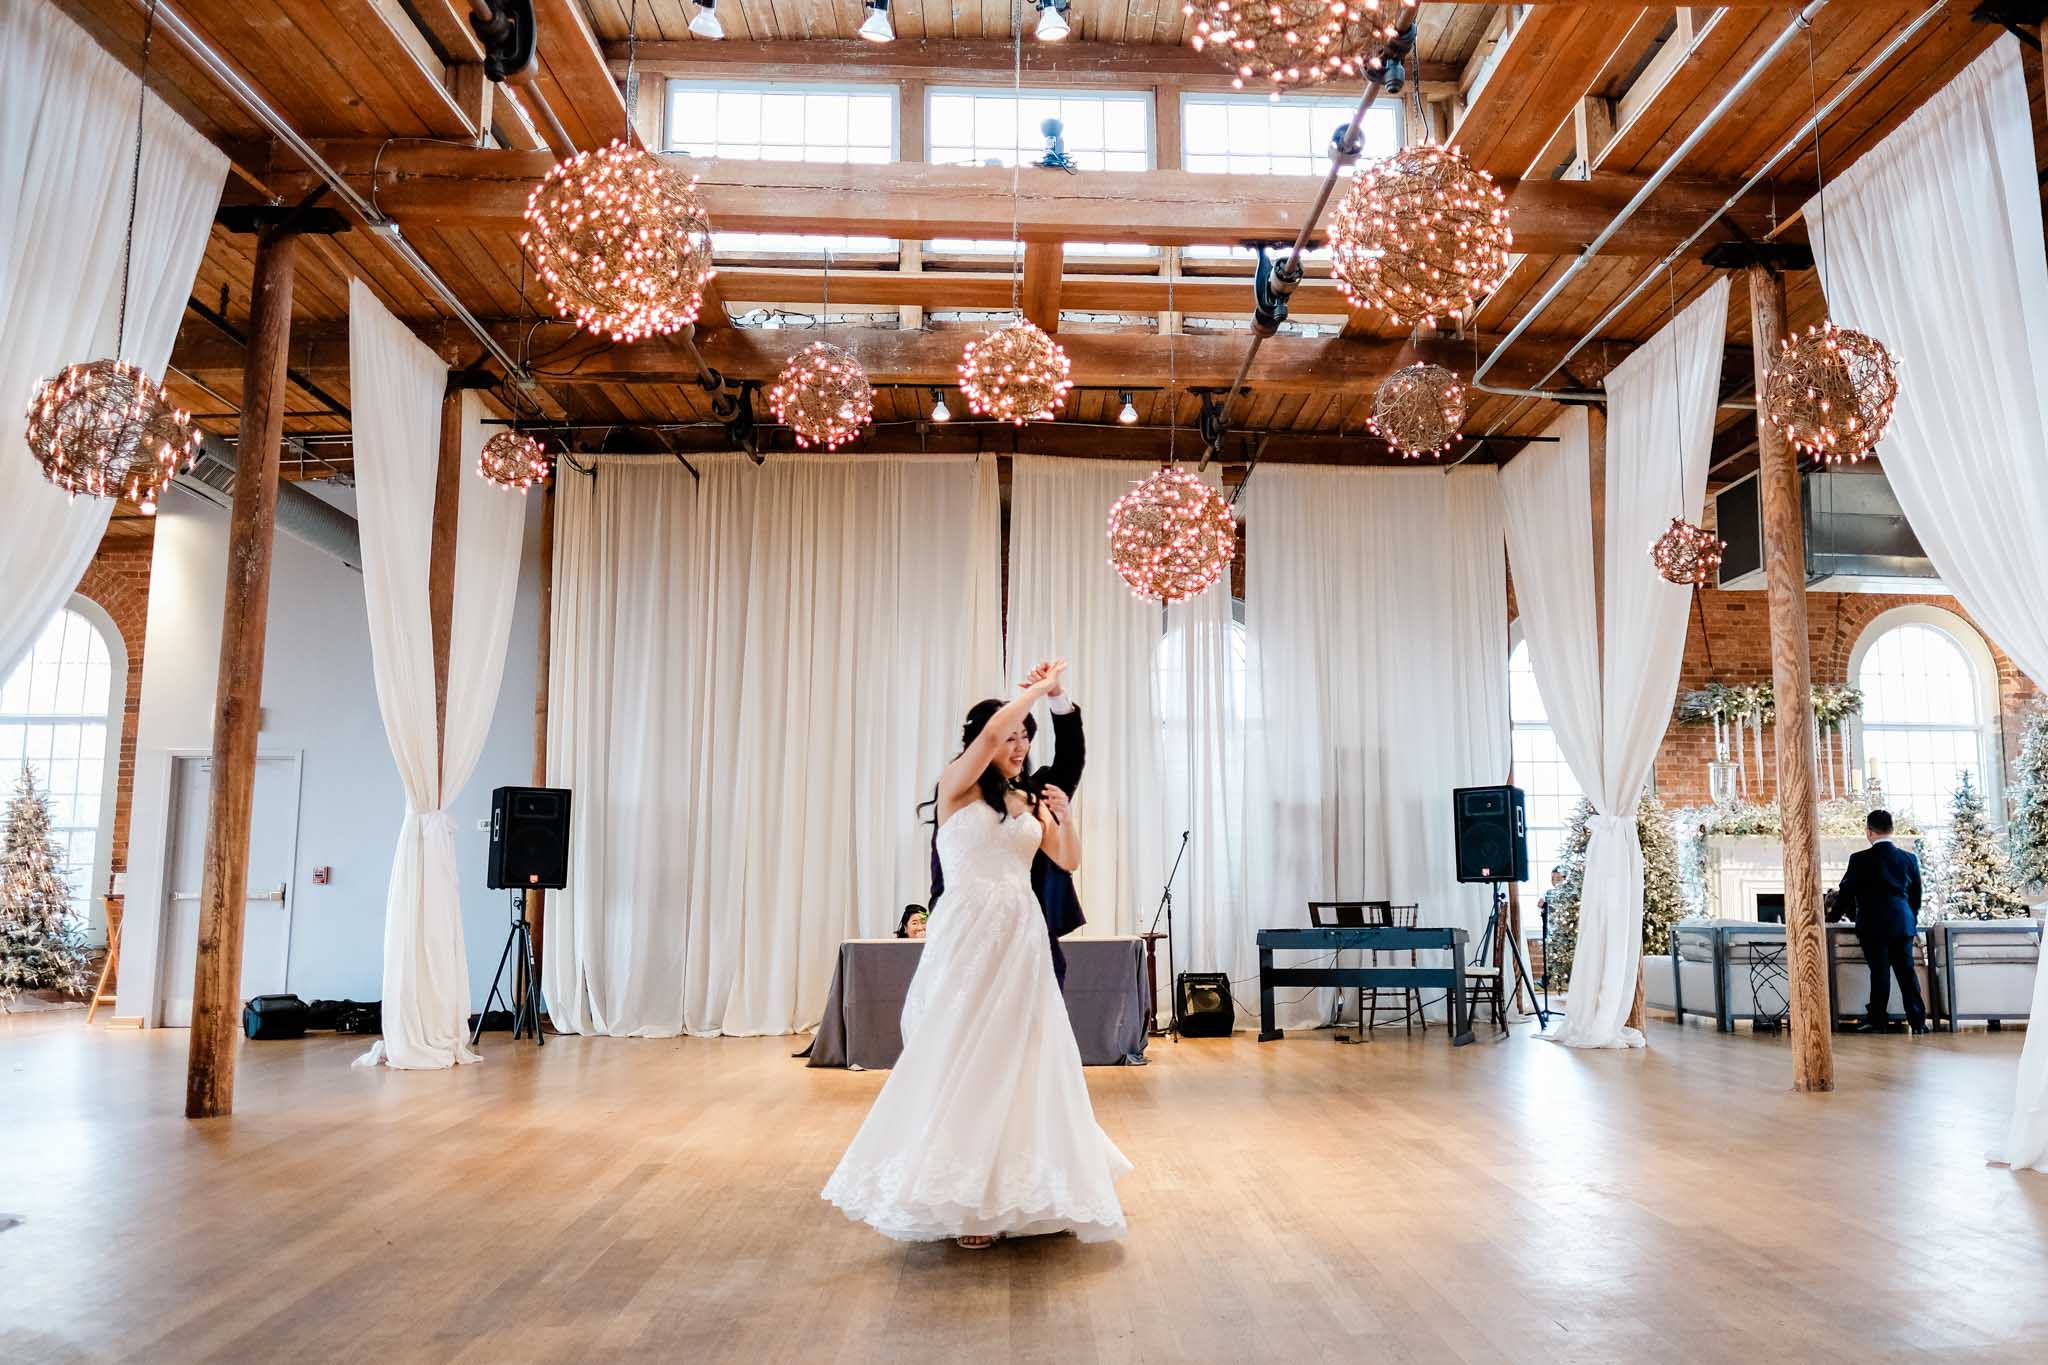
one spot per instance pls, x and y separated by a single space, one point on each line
1408 999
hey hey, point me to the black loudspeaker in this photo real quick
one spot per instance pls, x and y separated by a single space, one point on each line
1204 1005
529 838
1493 834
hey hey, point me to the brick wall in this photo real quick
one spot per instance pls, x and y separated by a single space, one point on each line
118 580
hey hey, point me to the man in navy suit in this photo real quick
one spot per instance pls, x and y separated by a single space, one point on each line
1053 883
1880 894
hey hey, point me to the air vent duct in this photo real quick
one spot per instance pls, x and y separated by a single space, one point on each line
1857 538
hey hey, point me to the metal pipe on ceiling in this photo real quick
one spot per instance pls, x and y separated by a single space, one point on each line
252 101
299 514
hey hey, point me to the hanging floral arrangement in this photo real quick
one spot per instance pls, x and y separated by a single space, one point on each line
1740 711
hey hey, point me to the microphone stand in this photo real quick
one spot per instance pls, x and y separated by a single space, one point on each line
1166 909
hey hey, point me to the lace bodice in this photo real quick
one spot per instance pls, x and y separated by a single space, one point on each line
977 847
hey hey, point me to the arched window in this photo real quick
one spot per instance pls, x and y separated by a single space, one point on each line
55 710
1930 704
1540 771
1170 673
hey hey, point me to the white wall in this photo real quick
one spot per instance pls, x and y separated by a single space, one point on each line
320 702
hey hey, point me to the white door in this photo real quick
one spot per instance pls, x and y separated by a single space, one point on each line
266 920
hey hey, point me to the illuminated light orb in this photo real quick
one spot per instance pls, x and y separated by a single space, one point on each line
621 241
514 460
1418 410
105 429
1016 375
1831 391
1281 43
823 396
1422 235
1687 554
1171 536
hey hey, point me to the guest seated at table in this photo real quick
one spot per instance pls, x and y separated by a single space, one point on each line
912 923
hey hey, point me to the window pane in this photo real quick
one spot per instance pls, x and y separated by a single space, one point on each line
1923 720
53 718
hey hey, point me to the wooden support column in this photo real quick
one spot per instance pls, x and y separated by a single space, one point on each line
1813 1063
238 690
1044 263
441 559
536 901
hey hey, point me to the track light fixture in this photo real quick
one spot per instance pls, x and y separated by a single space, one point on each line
940 412
1130 411
1052 20
876 28
704 23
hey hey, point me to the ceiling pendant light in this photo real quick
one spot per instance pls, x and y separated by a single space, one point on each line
102 427
1282 43
1171 536
1130 411
940 412
876 28
823 394
1418 411
704 23
1422 235
1052 21
513 460
1016 375
1687 553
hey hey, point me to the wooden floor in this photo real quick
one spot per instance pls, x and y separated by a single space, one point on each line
614 1200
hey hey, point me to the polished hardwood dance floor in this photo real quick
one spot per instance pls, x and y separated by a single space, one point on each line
611 1200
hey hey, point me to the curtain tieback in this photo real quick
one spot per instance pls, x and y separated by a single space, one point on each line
433 821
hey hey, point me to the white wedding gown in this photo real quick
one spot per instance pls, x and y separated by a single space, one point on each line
984 1125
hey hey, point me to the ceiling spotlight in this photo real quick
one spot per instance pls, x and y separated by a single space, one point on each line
1130 412
704 23
1052 20
940 412
876 27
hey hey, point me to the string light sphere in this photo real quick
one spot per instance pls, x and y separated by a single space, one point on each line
1016 375
1283 43
1422 235
621 241
514 460
1418 410
1687 554
1171 536
1831 392
105 429
823 395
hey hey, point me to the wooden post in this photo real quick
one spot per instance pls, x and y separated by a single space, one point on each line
441 560
1813 1062
536 901
224 877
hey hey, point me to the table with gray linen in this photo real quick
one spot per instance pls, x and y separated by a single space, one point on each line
863 1023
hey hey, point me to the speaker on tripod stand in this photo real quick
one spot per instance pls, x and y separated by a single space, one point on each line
529 852
1492 834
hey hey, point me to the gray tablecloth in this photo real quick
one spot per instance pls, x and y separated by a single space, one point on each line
863 1014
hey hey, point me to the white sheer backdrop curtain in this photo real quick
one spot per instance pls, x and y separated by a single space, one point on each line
67 146
1377 616
1932 244
1609 721
1066 602
754 681
395 388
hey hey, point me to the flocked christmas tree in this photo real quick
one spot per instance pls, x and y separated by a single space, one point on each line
2027 834
1970 875
1663 892
41 946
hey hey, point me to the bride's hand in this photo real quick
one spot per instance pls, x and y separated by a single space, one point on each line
1054 802
1045 678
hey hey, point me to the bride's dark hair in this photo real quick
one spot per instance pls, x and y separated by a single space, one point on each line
992 783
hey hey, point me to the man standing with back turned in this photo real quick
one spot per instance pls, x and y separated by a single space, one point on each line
1880 894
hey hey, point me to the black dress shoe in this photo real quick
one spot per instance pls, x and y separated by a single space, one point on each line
1921 1028
1866 1027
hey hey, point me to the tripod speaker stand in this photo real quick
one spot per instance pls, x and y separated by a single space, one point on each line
1516 955
524 987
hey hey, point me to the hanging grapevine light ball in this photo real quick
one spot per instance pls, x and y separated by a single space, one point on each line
1171 537
823 396
1831 392
106 429
622 242
1016 375
514 460
1422 235
1282 43
1687 554
1418 410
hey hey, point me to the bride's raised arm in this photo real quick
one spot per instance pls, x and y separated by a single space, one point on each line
958 780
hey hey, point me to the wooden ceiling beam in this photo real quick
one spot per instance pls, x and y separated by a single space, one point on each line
425 185
1201 296
1041 287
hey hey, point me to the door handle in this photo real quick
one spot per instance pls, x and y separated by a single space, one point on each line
276 893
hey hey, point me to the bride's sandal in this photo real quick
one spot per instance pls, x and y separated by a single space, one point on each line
976 1243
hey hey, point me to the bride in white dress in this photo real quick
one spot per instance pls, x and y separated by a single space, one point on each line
984 1129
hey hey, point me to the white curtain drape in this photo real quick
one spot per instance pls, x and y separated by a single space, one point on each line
754 680
1066 602
1377 619
1932 244
395 389
67 148
1609 719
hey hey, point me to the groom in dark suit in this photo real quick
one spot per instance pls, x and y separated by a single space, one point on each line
1880 893
1053 883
